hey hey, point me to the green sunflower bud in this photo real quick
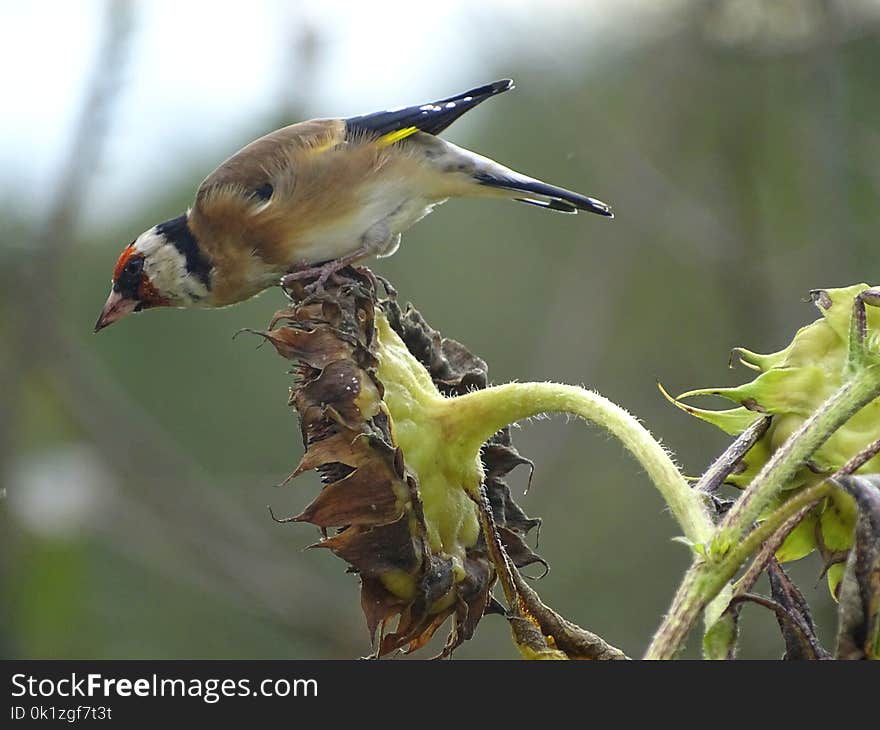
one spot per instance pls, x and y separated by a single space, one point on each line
790 386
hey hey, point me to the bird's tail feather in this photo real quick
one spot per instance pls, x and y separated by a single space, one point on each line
544 195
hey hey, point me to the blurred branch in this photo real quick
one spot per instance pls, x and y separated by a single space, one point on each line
303 51
89 138
830 99
163 504
33 282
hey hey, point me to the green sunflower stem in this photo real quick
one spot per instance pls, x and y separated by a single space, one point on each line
850 398
478 415
734 539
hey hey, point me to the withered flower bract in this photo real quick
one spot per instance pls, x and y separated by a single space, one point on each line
365 376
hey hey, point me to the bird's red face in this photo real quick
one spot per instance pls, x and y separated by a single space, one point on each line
132 289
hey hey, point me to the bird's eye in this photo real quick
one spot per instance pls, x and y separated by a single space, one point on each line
134 266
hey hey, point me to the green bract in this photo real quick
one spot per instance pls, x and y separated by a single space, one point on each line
791 385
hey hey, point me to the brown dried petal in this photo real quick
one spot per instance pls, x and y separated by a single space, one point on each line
316 347
342 446
859 611
377 604
436 581
376 550
796 626
369 492
414 631
473 597
337 387
452 367
365 497
519 552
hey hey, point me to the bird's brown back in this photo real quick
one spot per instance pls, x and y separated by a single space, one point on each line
252 210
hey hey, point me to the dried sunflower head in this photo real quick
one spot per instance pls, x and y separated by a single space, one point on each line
370 385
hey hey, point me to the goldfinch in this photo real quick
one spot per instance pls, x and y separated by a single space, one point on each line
312 198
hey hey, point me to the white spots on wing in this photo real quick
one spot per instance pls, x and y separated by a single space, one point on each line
450 105
430 108
467 99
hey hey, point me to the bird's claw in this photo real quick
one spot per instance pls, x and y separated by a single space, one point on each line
321 275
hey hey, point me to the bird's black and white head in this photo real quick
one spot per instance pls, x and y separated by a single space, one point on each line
163 267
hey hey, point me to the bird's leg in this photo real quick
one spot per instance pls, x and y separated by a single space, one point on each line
323 271
377 241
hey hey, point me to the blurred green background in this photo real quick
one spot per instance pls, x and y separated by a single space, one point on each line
737 141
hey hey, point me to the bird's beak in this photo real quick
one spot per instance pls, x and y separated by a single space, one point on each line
116 308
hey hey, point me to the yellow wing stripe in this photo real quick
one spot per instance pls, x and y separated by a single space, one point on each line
388 139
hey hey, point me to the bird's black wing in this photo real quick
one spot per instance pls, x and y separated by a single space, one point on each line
432 118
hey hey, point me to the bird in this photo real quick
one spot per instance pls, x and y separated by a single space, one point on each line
311 198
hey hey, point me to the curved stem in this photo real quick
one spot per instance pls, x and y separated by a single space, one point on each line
478 415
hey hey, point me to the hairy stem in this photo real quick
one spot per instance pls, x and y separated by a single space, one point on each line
480 414
729 549
764 531
851 397
706 579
